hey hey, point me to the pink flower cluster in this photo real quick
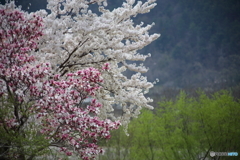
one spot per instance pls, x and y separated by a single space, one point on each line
64 118
57 102
106 66
18 36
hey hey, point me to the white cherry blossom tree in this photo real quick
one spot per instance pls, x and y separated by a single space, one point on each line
75 38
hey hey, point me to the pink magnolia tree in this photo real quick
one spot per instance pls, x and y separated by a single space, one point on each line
39 108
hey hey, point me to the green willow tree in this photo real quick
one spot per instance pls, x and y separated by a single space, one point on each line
186 128
197 125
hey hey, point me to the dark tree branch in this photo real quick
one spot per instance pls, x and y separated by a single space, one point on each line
81 64
74 50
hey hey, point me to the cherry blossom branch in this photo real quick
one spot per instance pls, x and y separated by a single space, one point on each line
74 50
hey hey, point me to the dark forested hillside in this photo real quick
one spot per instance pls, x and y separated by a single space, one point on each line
199 44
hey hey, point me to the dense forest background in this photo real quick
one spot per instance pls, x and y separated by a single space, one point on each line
200 43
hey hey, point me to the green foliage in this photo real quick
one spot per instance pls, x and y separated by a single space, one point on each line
185 128
23 141
117 147
201 124
144 139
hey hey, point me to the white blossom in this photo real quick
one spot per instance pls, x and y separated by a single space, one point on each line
76 38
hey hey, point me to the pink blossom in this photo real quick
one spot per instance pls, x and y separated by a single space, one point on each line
106 66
